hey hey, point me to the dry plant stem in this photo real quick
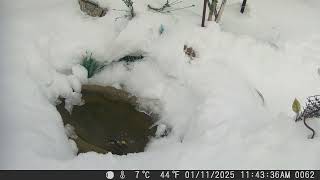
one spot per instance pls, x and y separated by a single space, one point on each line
212 9
243 6
168 5
313 132
160 9
223 4
205 2
178 9
297 117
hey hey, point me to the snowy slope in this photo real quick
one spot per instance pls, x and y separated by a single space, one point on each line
212 104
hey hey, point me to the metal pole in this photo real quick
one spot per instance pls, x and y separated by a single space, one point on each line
205 2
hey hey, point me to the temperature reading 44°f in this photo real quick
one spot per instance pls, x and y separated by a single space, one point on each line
144 174
168 174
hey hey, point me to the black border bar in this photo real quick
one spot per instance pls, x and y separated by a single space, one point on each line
158 174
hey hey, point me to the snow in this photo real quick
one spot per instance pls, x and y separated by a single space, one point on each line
212 104
80 73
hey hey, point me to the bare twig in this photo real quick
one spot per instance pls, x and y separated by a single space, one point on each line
223 4
204 13
243 6
311 110
179 8
168 5
313 132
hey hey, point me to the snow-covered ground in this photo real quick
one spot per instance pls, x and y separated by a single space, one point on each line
218 118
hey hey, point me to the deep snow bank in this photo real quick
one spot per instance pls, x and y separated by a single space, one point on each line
218 119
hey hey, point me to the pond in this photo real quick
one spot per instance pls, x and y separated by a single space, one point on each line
109 122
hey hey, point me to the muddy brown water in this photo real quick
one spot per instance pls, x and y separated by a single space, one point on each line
109 122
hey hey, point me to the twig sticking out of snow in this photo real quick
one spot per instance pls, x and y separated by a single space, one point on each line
163 8
167 4
131 12
243 6
311 110
204 12
223 4
213 10
176 9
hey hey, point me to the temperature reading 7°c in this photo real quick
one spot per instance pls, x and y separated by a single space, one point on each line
146 174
